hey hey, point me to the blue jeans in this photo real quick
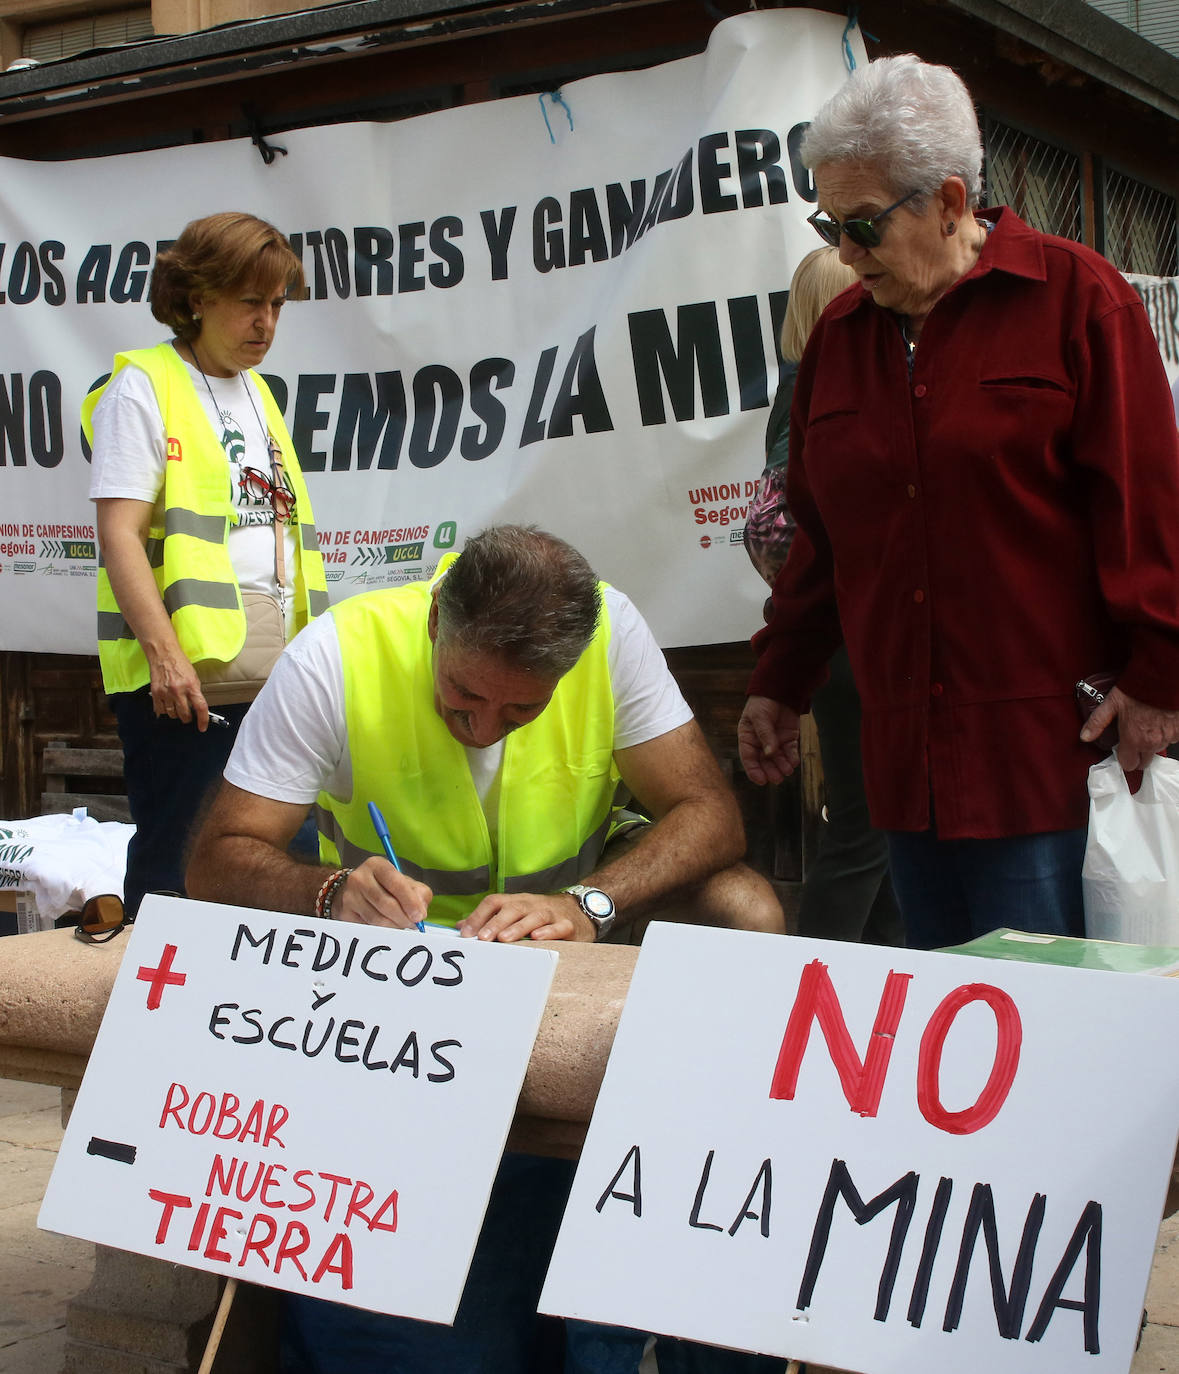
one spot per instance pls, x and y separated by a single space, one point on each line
951 891
497 1329
171 770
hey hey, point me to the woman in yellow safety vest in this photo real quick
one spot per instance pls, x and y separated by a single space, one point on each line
209 560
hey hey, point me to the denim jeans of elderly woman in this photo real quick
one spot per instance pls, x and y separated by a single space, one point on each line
951 891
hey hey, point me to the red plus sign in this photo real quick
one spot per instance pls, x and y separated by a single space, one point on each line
160 977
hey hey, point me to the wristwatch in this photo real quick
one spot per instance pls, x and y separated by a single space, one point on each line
597 905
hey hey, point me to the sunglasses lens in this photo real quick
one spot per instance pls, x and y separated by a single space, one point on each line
101 914
862 232
827 229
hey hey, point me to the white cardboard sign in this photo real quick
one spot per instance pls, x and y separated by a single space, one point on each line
881 1160
310 1106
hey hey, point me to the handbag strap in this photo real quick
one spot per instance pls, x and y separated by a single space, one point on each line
276 479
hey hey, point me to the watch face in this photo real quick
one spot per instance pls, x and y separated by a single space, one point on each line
597 903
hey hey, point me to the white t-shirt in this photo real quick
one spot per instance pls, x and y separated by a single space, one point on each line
293 742
130 453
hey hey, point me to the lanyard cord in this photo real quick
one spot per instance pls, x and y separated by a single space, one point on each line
280 570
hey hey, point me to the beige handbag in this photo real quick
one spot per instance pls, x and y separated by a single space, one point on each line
242 679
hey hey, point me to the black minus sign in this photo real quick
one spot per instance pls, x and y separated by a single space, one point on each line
111 1149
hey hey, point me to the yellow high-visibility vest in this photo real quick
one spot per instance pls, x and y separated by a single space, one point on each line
558 782
189 554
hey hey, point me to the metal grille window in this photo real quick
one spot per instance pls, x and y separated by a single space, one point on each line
1156 20
1041 182
66 37
1140 227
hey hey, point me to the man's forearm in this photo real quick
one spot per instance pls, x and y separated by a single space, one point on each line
697 838
242 871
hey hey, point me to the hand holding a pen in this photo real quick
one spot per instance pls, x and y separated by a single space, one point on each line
378 894
381 826
176 691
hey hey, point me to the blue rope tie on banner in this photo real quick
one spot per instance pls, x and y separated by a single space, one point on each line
853 21
558 99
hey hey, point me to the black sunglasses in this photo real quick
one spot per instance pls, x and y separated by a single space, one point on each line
862 232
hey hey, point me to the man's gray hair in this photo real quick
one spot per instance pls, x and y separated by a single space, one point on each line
522 595
914 121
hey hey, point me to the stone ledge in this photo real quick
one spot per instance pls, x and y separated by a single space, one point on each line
56 989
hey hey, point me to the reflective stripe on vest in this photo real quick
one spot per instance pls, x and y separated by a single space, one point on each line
189 555
210 528
558 783
473 882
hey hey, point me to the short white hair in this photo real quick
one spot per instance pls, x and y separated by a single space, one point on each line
914 121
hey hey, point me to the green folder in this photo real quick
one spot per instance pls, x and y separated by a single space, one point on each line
1064 949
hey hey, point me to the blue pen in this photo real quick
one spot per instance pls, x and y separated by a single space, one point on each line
386 844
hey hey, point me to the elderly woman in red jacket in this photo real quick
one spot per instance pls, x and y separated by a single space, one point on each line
985 474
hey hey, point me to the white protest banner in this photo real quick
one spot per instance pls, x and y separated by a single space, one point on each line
1160 296
876 1159
310 1106
561 312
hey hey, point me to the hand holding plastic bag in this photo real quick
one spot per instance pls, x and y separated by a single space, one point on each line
1130 877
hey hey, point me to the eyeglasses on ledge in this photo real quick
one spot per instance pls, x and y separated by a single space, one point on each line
102 918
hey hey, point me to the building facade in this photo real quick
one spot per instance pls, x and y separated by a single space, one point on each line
1080 113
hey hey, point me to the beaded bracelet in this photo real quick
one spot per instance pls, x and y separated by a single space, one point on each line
327 893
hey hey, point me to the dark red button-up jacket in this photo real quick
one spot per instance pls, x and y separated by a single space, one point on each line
986 531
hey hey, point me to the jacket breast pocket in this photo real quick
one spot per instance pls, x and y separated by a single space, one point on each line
1024 409
1017 388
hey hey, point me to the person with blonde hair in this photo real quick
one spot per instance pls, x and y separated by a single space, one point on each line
985 476
817 280
846 894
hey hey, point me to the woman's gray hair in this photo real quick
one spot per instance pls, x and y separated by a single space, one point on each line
914 121
521 595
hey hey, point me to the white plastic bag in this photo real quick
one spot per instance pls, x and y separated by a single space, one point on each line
1130 877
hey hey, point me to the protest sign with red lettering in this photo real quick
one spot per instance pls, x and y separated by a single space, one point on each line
311 1106
876 1159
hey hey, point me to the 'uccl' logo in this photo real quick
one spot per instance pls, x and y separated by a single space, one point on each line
175 452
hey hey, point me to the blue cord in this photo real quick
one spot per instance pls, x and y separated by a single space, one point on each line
853 21
849 58
557 99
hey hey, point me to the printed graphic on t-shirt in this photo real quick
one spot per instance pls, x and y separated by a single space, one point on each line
252 488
